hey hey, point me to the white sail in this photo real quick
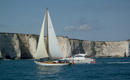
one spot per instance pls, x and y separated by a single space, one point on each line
41 49
54 48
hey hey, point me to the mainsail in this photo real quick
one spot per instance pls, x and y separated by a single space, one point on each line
54 48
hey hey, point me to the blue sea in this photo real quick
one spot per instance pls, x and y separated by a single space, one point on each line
104 69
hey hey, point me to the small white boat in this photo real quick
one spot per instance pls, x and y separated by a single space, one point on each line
53 50
80 58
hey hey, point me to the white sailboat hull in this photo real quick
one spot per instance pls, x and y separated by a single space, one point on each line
49 64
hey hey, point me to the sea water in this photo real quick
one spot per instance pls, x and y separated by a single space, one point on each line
104 69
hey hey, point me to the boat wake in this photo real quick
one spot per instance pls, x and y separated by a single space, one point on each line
118 62
112 63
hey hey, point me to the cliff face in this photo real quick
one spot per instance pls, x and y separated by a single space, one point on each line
17 46
80 46
101 49
64 45
113 49
129 48
23 46
9 46
27 45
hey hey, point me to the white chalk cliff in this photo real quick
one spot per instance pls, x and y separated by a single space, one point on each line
23 46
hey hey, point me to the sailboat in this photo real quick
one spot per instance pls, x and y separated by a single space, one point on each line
53 51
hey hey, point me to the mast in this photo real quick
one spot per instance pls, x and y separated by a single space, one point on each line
47 32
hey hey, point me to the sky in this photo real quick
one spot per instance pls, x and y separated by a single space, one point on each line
92 20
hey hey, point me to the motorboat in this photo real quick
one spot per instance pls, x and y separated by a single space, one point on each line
80 58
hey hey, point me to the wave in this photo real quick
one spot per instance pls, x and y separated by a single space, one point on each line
118 62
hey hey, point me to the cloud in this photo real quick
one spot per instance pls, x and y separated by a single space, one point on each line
84 28
69 28
80 28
